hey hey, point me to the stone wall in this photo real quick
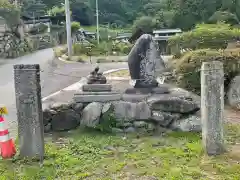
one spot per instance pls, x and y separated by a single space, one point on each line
12 46
177 110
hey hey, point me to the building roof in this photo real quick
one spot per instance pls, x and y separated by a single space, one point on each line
167 31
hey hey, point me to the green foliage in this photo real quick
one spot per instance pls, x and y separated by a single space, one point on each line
215 36
145 23
107 121
75 26
34 8
187 68
57 10
224 16
10 13
104 48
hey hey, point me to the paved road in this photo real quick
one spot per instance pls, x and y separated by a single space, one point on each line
55 76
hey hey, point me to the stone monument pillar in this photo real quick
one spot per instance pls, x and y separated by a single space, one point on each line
212 107
145 62
29 110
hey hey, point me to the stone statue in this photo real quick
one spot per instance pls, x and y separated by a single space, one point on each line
145 62
96 77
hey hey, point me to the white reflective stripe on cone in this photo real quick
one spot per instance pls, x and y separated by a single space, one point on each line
2 126
4 138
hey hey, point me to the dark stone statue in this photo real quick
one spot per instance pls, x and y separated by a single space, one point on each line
145 62
96 77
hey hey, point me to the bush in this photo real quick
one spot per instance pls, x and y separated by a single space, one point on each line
214 36
187 68
75 26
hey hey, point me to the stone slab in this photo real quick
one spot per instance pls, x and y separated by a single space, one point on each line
135 97
97 88
97 93
96 98
158 90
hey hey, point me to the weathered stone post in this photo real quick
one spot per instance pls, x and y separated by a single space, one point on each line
29 110
212 107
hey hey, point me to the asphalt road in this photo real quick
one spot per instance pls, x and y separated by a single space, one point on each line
55 75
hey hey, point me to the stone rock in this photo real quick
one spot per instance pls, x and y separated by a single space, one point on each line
65 120
233 93
140 124
143 111
47 116
124 124
129 130
144 62
78 107
47 128
124 111
188 124
61 106
164 118
91 114
184 94
174 104
151 127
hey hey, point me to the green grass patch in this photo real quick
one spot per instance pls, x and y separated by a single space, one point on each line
91 155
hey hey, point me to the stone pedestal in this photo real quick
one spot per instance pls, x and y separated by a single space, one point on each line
29 110
97 88
96 97
163 89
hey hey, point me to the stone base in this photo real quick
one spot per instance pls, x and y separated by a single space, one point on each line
97 88
96 97
163 89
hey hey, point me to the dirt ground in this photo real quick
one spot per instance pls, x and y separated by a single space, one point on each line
230 115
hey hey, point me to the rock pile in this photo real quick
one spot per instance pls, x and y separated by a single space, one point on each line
177 110
12 46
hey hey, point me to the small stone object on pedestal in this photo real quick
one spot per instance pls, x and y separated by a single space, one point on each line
96 82
96 77
145 64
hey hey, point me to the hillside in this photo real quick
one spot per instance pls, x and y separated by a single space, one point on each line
163 13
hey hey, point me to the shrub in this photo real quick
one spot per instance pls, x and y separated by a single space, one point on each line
75 26
214 36
187 68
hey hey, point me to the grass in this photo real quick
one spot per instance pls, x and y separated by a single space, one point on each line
120 73
90 155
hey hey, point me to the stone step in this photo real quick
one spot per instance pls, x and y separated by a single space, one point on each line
97 87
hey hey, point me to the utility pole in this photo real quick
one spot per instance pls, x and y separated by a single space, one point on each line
68 28
97 21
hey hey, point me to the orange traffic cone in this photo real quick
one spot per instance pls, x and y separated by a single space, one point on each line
7 146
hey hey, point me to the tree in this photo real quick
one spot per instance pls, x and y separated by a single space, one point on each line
145 24
34 8
224 16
